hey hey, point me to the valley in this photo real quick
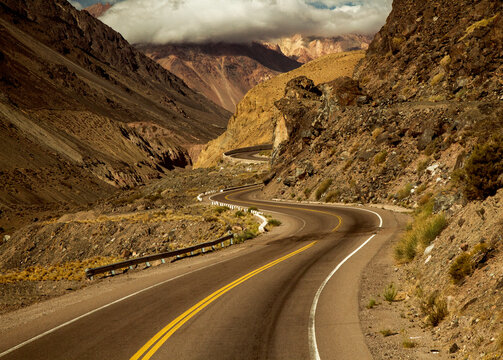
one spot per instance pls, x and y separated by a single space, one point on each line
378 171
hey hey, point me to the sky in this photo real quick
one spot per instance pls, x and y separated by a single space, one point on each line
198 21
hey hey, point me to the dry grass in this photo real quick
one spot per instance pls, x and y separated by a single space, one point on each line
323 188
437 79
390 293
425 228
478 24
408 344
435 308
388 332
73 270
380 157
404 192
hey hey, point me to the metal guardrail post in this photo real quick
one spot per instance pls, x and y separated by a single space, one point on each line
149 258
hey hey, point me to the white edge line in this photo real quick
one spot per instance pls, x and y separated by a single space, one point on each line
313 346
101 308
312 334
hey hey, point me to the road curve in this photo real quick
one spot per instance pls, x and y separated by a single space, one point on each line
249 154
252 301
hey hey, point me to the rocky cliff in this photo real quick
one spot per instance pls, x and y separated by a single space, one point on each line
419 124
82 112
256 113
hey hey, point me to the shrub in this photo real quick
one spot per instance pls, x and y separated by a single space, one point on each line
483 169
323 188
307 192
292 195
252 208
371 303
461 267
273 222
434 308
239 213
332 196
245 235
422 165
380 157
221 209
404 192
408 344
425 228
390 293
387 332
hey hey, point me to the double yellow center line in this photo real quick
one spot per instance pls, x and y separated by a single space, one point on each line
149 349
285 207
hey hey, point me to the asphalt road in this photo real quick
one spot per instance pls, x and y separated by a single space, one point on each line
252 301
249 155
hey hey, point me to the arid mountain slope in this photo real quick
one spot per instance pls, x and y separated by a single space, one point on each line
222 72
437 53
256 113
420 125
83 112
305 49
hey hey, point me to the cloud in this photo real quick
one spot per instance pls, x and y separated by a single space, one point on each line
76 4
164 21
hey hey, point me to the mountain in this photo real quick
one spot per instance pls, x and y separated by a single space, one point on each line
222 72
305 49
82 112
419 124
256 113
98 9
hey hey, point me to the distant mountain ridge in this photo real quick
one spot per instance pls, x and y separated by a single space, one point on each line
225 72
222 72
98 9
304 49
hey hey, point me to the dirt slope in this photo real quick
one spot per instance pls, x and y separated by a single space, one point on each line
222 72
256 113
82 112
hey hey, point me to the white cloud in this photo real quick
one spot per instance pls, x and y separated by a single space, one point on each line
75 4
163 21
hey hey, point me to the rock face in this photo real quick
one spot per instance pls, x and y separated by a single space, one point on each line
82 112
436 52
305 49
419 124
222 72
256 113
365 132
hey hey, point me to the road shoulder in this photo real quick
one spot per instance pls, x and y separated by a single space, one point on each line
388 328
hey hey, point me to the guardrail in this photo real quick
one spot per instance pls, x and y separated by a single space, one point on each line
161 256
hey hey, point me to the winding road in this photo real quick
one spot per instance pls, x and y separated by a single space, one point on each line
249 154
289 294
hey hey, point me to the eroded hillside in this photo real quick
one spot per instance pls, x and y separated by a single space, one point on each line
419 125
82 112
222 72
253 121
